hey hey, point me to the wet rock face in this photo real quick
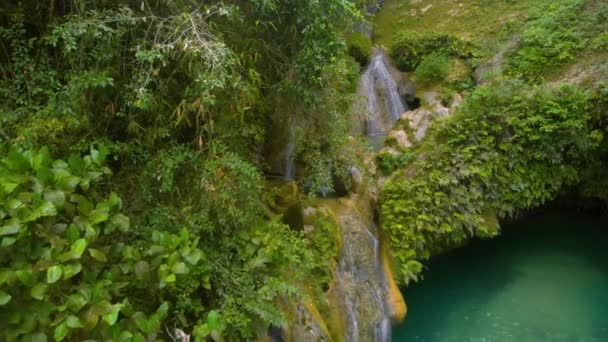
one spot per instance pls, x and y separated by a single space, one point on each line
307 328
407 91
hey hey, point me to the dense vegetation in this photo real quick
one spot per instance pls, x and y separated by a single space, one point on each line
515 143
132 184
138 139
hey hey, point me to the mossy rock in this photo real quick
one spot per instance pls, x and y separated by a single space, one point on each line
360 47
459 71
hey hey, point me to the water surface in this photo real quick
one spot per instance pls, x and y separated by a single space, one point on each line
544 279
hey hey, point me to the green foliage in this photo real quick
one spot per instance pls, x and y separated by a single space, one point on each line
556 32
409 51
509 147
183 95
360 47
433 68
388 162
324 240
60 274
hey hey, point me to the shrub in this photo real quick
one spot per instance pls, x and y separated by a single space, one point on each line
556 33
360 47
388 162
509 147
433 68
408 51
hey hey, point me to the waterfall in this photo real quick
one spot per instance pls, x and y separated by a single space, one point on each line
288 163
384 105
361 279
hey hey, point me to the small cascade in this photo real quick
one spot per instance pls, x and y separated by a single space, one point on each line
361 279
384 105
288 167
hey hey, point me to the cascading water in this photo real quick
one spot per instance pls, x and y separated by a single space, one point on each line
288 163
384 105
361 279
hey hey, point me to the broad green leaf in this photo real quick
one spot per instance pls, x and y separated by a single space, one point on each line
193 257
179 268
76 302
213 320
37 337
4 298
70 270
78 247
98 255
13 227
26 277
72 233
141 321
73 322
13 203
57 197
114 201
142 270
169 278
112 316
90 319
38 291
84 205
4 275
121 222
8 241
61 331
53 274
98 215
68 182
46 209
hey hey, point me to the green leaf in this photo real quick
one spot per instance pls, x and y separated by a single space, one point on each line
169 278
193 257
98 215
114 201
4 275
13 203
38 291
76 302
121 222
141 321
26 277
68 183
213 320
53 274
179 268
57 197
71 270
112 316
4 298
73 322
61 331
8 241
78 248
142 270
13 227
98 255
37 337
46 209
84 205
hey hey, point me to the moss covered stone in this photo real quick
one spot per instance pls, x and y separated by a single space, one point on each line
360 47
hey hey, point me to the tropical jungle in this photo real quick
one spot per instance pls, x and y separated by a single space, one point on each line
321 170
